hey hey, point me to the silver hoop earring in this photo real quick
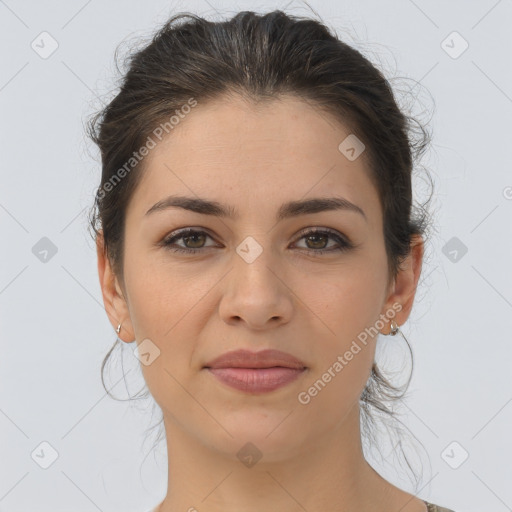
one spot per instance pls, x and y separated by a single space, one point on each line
118 330
394 328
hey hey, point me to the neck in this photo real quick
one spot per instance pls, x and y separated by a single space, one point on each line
328 473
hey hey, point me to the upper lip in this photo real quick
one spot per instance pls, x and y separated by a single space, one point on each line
263 359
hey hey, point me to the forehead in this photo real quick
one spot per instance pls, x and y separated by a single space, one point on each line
246 154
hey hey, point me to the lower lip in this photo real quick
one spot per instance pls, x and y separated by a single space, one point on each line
256 380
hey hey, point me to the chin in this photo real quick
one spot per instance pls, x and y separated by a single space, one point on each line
263 433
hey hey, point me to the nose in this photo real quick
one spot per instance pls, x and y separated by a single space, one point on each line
256 294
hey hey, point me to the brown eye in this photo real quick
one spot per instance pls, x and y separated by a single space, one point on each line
317 240
196 239
193 241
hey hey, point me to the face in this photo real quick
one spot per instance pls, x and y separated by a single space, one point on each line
255 280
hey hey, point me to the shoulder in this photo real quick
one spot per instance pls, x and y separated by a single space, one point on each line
436 508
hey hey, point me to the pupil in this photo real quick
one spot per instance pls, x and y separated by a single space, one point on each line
187 238
310 237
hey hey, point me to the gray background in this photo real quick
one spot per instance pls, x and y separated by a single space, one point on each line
54 330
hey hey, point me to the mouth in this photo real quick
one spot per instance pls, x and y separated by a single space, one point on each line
256 380
268 358
256 372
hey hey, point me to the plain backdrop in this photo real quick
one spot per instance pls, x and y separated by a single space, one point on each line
54 331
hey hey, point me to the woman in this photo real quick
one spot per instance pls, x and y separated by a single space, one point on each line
255 234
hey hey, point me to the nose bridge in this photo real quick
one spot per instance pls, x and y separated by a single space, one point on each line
253 265
255 293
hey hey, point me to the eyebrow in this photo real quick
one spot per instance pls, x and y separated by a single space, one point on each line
287 210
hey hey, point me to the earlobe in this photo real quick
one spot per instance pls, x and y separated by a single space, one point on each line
115 304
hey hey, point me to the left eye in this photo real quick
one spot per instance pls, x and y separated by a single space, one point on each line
316 236
319 236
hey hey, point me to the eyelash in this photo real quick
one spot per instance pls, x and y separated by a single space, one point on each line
345 245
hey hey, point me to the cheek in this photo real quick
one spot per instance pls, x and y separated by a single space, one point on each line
349 302
170 307
347 308
344 354
162 310
151 297
160 296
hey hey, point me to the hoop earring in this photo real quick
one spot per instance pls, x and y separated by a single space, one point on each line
394 328
118 330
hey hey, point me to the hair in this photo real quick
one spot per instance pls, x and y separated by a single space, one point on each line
261 58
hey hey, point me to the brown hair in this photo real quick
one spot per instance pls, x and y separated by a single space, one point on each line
262 57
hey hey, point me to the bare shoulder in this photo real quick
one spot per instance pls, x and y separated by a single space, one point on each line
436 508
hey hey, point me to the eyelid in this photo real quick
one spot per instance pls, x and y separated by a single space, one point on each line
303 231
321 229
344 243
181 232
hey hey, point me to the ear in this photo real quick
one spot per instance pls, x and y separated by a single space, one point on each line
405 283
115 303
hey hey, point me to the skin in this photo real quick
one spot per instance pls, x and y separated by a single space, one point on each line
198 306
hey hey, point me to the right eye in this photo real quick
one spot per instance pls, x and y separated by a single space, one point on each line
188 235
